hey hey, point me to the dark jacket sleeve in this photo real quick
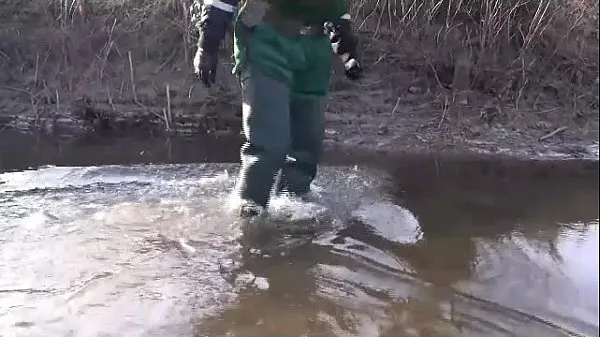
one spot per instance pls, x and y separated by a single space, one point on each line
342 37
211 18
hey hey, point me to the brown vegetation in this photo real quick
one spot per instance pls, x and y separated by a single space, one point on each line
127 63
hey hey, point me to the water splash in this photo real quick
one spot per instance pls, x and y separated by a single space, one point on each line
146 250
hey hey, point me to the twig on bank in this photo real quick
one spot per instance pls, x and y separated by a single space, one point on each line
186 34
57 101
35 110
121 90
108 47
104 60
37 66
166 120
9 88
131 77
445 110
170 118
419 137
553 133
396 106
48 99
110 100
147 109
156 114
435 73
547 110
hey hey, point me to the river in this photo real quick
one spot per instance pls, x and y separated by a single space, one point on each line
134 237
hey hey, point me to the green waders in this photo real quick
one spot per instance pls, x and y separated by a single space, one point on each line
284 79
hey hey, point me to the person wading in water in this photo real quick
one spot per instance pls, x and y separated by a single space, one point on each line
282 53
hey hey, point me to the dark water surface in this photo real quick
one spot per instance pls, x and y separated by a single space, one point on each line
134 237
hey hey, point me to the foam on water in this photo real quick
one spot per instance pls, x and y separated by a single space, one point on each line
127 250
390 221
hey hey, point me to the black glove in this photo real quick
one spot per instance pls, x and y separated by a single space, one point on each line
214 23
344 43
205 66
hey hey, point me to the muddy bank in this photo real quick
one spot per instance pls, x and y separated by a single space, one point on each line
351 133
391 120
408 130
112 72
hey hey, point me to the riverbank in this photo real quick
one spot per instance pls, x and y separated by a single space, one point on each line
118 70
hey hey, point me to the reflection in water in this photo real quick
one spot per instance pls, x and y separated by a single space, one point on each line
521 218
19 151
438 249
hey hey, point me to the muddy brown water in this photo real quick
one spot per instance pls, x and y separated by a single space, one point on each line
134 237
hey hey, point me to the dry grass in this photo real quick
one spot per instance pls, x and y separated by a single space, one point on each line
507 47
101 57
57 51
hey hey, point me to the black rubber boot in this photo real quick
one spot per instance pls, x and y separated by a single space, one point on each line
249 210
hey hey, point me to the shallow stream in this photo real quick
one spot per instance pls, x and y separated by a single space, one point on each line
135 238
